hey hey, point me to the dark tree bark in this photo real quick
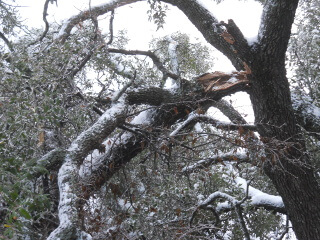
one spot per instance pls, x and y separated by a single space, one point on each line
291 173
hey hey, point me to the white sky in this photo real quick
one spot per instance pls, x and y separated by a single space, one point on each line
245 14
133 18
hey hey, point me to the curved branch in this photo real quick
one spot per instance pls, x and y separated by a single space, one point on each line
68 174
228 110
44 17
66 28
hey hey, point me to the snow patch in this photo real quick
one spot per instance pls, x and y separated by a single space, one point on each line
258 197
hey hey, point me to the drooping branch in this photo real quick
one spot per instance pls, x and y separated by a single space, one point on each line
258 199
234 203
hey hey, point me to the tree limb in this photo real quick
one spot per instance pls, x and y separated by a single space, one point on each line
210 28
87 141
150 54
85 15
6 41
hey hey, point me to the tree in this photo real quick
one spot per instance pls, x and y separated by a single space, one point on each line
77 163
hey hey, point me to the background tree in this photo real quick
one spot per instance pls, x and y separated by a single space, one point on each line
102 142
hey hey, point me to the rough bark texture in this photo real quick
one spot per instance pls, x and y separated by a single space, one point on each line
291 171
291 174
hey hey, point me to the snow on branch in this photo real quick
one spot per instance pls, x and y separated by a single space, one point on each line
193 117
236 204
120 150
172 49
87 141
88 14
219 158
307 113
255 197
261 199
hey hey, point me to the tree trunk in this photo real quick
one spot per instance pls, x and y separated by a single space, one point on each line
289 169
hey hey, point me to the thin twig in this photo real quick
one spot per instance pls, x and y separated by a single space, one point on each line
122 91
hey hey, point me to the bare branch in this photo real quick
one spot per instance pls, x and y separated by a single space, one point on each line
153 57
124 89
44 17
7 42
228 110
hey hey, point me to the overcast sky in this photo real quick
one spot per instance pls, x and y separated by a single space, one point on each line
245 14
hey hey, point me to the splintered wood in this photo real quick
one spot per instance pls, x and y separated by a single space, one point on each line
220 81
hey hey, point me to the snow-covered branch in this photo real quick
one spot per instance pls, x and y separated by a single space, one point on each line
253 197
261 199
89 140
216 123
216 159
88 14
307 113
234 203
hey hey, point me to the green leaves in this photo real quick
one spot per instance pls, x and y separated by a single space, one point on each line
157 13
24 213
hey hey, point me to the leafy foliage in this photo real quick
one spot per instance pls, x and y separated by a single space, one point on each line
304 51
